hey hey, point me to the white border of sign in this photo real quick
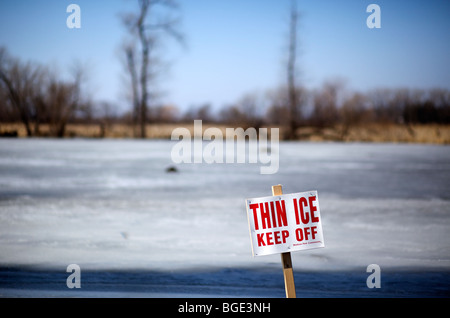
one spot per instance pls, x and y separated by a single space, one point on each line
273 235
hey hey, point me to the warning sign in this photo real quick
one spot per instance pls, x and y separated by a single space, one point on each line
285 223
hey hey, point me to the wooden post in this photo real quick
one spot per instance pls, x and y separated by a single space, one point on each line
286 260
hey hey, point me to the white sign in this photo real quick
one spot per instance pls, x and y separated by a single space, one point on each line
285 223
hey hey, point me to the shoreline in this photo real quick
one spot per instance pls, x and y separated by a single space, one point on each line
378 133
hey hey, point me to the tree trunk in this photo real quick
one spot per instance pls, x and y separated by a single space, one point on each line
291 70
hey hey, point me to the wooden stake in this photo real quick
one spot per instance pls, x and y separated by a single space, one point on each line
286 260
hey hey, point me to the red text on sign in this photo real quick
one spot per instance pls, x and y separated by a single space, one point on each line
304 216
271 238
303 234
271 214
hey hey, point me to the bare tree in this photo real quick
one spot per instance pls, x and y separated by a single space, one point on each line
20 83
165 113
381 105
248 111
146 28
7 113
278 110
292 70
441 99
130 53
61 103
202 111
326 103
39 96
353 112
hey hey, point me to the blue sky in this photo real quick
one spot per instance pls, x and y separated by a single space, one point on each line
237 47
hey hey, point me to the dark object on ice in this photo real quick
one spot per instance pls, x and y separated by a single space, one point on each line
171 169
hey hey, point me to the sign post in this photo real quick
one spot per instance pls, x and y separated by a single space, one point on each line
282 223
286 260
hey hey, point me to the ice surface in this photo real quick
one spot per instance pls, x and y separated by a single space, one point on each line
110 205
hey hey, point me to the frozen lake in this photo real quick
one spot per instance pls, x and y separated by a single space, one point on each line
136 230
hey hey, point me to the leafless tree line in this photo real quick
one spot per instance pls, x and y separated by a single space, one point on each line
35 95
330 105
333 105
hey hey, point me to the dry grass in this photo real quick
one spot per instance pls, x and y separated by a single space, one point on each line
438 134
154 131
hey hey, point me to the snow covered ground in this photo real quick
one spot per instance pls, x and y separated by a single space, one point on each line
110 207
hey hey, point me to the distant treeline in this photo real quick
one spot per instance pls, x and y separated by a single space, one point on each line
34 95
